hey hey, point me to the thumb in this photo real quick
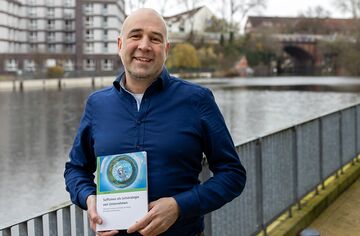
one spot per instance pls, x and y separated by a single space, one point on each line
92 213
95 218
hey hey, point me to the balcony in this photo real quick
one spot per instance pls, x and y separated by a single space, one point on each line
89 24
88 11
68 15
51 39
69 28
32 14
89 37
50 14
88 49
104 11
69 39
32 27
32 38
50 27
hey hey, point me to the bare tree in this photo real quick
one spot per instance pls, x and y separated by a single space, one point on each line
132 5
243 7
316 12
349 6
163 4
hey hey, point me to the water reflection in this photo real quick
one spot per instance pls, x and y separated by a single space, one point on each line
37 130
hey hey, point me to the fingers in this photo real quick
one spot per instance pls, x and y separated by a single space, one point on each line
94 218
162 214
107 233
154 228
142 223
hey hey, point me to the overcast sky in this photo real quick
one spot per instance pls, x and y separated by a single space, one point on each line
274 7
293 8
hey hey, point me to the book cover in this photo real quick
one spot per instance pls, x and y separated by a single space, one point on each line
121 196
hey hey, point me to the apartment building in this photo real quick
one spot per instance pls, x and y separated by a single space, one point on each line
79 35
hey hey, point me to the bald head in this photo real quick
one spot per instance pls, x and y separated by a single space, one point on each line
145 13
143 47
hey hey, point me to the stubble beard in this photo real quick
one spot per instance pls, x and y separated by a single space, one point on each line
144 76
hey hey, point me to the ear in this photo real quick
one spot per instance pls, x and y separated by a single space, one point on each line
119 42
167 48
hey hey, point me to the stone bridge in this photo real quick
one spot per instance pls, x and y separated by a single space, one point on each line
303 50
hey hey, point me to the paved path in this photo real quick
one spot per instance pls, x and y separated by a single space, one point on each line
342 218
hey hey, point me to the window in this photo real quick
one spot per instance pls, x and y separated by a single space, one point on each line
89 8
32 11
104 9
68 65
88 21
32 36
51 47
32 25
89 35
89 47
29 65
33 47
89 65
68 13
104 21
50 12
107 65
67 3
69 48
105 47
105 35
11 65
51 24
51 36
50 2
69 37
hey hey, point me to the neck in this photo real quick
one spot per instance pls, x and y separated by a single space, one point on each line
137 86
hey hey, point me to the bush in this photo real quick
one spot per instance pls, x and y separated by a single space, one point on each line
183 56
55 72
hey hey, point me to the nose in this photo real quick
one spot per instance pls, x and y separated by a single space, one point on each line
144 44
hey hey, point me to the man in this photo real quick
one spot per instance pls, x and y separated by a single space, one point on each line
174 121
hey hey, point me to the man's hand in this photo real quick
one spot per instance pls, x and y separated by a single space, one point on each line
162 214
94 218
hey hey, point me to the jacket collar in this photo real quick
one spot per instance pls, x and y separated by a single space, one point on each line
161 82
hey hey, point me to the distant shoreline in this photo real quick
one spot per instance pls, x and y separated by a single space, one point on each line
19 85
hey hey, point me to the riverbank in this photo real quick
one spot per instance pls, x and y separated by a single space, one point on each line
19 85
338 84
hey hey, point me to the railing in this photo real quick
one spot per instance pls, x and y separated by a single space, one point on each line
285 166
282 168
66 219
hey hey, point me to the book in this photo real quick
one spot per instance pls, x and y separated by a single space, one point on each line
121 195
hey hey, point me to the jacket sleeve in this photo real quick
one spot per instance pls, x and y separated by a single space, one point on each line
79 170
229 175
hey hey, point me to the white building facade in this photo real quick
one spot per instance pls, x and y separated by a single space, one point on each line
191 25
79 35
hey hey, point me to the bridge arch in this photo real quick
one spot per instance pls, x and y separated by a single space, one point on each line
302 61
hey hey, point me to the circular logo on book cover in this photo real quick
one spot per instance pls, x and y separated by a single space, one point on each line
122 171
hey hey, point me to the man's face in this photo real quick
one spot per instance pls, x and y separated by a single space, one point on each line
143 46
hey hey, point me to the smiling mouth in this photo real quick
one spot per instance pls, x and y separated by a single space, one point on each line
142 59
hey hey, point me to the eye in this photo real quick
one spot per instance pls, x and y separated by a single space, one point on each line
135 36
156 40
